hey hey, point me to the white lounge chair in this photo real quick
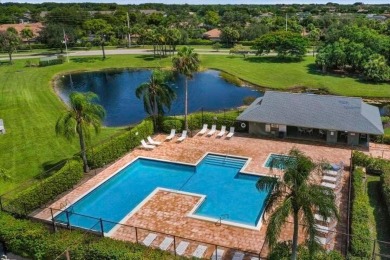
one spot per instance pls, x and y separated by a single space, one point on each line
218 254
212 131
152 142
149 239
181 248
171 135
199 251
223 131
204 130
183 136
238 256
231 132
147 146
166 243
2 128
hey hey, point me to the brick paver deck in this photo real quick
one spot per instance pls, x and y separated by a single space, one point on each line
166 211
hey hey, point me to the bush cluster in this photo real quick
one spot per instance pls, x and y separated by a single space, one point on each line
33 240
119 145
385 183
361 220
46 190
373 165
59 60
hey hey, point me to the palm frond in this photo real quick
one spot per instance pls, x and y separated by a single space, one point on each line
277 221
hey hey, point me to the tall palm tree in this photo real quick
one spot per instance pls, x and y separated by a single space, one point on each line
83 114
296 194
156 95
186 63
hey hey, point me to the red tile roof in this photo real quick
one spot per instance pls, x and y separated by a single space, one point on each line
35 27
214 33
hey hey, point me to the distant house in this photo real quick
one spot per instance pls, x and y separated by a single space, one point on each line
380 18
101 12
334 119
35 27
213 35
25 18
151 11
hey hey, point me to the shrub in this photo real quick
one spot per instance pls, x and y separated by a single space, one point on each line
361 220
200 42
33 240
46 190
385 119
373 165
59 60
107 152
169 124
385 183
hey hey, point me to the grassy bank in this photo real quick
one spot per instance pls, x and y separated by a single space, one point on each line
30 107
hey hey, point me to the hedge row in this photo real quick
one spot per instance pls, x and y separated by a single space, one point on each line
361 219
33 240
195 121
373 165
385 183
119 145
46 190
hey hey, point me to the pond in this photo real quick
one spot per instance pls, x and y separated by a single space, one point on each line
116 91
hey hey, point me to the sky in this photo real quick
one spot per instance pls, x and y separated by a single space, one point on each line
206 1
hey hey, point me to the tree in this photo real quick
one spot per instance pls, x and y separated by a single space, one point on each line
295 194
53 35
27 34
186 63
82 115
376 69
314 37
229 35
156 95
9 42
212 18
216 46
101 29
285 44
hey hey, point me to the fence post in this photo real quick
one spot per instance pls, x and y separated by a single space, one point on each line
53 220
216 252
67 255
136 235
1 203
373 250
174 244
101 227
67 218
202 116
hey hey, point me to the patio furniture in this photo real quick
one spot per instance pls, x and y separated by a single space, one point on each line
301 131
166 243
2 128
147 146
231 133
152 142
212 131
149 239
199 251
204 130
218 254
171 135
238 256
321 132
223 131
183 136
309 131
181 248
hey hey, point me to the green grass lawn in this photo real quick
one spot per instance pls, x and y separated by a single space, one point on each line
30 107
382 221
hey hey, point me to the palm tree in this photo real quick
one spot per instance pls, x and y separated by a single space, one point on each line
186 62
156 95
295 194
83 114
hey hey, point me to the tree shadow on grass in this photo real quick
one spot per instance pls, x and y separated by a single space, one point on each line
149 57
271 59
382 221
50 167
87 59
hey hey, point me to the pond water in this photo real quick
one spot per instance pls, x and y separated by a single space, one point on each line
116 90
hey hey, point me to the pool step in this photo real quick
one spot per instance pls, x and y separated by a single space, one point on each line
224 161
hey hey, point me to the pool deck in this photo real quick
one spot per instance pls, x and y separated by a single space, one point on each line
165 213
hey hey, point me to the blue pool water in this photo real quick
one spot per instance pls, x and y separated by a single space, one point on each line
116 91
228 192
278 161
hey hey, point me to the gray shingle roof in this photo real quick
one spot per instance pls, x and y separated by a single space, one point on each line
315 111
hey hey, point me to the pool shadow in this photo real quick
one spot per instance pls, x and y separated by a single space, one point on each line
87 59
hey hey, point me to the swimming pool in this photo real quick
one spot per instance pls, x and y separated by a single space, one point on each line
277 161
225 190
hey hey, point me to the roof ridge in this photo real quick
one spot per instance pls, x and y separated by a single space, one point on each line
361 107
311 94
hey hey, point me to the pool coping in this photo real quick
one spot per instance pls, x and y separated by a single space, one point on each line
147 198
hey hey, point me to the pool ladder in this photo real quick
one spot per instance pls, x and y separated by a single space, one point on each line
221 217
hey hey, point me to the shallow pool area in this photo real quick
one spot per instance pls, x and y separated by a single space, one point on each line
278 161
224 192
